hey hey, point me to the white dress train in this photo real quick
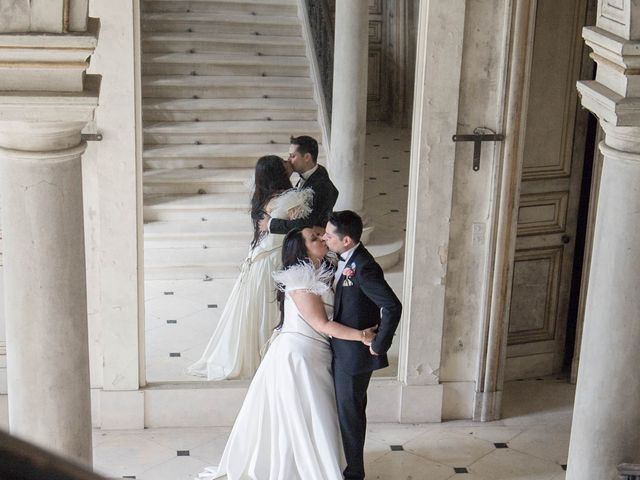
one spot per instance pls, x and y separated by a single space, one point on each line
251 312
287 428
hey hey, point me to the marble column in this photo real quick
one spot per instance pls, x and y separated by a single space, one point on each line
45 292
349 108
607 406
46 99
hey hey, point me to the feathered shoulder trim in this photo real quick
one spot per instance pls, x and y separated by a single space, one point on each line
298 200
304 276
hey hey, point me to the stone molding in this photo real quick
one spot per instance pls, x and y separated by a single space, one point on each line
52 16
616 16
39 62
614 96
52 157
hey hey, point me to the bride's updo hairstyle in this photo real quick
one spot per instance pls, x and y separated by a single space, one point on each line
271 178
294 251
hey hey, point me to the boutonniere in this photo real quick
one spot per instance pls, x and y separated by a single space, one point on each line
349 272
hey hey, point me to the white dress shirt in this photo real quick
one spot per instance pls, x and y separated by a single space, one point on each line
343 263
305 176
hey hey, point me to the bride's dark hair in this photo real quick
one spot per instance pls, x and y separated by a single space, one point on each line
270 179
294 251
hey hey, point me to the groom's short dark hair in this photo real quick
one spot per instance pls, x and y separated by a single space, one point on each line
347 223
306 144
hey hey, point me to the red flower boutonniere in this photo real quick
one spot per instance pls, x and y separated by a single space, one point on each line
348 272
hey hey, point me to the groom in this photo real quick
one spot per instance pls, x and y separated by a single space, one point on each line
363 299
303 157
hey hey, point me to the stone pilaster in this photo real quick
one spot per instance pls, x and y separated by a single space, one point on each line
349 108
45 101
607 405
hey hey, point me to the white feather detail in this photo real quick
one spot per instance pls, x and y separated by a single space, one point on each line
297 200
332 258
304 276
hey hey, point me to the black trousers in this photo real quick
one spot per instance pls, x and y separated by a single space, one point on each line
351 397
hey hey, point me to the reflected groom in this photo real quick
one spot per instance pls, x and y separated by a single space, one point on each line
303 157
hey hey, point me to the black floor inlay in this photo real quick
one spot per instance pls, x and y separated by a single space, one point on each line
183 453
168 293
172 321
128 476
174 354
396 448
564 467
501 445
212 305
460 470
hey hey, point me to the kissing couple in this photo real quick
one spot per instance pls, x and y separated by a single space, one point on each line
303 417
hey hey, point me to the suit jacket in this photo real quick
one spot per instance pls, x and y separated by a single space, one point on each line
325 195
369 301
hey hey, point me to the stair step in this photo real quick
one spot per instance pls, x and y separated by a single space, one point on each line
220 42
211 156
387 254
223 64
263 7
191 272
230 132
198 234
176 256
221 23
197 181
229 109
210 207
222 86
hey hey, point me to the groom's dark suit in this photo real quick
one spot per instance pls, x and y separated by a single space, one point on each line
325 195
364 301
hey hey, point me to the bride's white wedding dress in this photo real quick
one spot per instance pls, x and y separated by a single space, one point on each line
251 312
287 428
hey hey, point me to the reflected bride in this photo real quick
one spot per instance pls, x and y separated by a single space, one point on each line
251 312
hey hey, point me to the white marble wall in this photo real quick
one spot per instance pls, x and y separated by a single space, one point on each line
480 104
3 346
111 209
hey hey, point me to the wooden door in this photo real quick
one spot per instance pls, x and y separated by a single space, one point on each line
552 156
378 74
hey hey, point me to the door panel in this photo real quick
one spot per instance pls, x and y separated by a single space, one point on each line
549 192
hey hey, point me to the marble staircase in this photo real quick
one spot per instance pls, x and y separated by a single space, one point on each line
223 83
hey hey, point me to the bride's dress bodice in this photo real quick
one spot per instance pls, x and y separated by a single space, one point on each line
295 323
305 277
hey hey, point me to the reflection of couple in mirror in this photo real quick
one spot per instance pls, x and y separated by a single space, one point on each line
251 313
304 413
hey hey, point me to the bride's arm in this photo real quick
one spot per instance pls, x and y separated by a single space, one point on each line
312 310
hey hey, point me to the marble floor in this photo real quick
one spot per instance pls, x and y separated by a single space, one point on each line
181 315
529 443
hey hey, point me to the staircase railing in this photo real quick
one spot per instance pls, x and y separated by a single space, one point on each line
629 471
320 23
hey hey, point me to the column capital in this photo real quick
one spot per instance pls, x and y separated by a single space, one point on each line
614 95
620 17
37 62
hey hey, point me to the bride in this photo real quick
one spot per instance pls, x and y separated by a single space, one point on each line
287 427
251 311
